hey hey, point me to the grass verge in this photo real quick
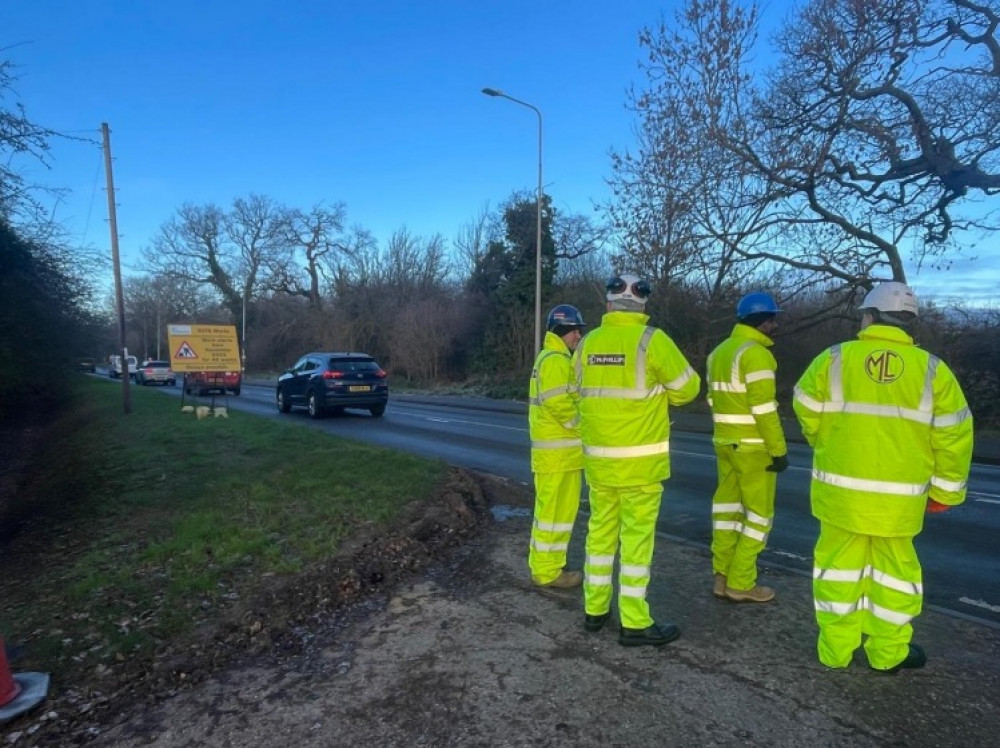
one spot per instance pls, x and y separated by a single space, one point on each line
139 528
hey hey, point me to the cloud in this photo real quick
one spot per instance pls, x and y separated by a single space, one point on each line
967 281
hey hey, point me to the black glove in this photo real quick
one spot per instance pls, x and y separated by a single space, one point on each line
778 464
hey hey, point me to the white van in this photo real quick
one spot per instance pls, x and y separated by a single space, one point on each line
115 366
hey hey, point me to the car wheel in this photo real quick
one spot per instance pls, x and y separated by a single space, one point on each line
236 392
377 410
283 405
315 409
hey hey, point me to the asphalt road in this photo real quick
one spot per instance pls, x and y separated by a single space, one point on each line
958 549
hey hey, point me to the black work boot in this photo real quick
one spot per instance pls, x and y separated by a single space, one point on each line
915 658
652 635
594 624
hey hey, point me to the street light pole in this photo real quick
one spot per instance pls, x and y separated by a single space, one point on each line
538 218
243 334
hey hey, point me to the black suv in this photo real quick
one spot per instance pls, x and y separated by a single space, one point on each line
333 381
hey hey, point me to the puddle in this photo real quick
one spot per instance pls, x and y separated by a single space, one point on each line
503 512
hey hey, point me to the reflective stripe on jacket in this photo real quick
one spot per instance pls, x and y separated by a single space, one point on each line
889 426
553 419
740 374
627 374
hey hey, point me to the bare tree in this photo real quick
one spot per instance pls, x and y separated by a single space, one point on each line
29 206
191 247
576 235
867 139
315 243
256 227
422 335
683 206
413 266
19 137
233 252
473 240
374 285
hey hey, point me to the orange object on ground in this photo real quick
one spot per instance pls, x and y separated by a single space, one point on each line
9 688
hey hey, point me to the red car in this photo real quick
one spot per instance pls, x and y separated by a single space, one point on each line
204 382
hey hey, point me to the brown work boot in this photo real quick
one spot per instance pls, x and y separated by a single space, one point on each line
566 580
719 586
758 594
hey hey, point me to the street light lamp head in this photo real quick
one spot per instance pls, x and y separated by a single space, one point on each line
493 92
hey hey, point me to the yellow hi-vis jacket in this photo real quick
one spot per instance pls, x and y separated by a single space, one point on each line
627 374
553 419
889 426
741 393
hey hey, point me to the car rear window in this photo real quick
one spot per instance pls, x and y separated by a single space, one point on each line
158 364
353 365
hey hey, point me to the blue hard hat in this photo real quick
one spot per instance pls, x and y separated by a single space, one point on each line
564 315
756 303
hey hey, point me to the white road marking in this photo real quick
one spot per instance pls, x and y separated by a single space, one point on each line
796 556
436 419
988 501
980 604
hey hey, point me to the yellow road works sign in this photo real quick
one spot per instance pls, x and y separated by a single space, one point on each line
203 348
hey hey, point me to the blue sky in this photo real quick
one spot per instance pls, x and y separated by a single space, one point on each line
373 104
376 104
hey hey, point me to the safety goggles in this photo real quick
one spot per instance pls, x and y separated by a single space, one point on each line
640 289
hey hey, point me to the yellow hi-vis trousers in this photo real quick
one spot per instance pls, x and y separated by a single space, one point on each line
742 513
625 516
865 585
557 500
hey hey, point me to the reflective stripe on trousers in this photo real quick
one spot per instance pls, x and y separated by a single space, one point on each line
625 518
557 500
865 585
742 513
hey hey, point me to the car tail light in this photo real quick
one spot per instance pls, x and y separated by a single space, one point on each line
333 375
381 374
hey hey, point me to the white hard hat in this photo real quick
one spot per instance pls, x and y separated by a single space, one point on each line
891 296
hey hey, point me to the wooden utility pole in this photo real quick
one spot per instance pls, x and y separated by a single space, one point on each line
119 296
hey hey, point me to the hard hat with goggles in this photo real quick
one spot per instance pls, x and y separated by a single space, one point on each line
628 288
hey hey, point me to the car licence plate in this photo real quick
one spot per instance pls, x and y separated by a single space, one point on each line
359 388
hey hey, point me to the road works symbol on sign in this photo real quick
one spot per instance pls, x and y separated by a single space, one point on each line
185 351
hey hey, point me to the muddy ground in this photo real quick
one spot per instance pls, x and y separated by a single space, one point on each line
275 623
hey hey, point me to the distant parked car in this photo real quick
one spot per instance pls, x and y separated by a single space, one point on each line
155 372
204 382
115 366
87 364
325 382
